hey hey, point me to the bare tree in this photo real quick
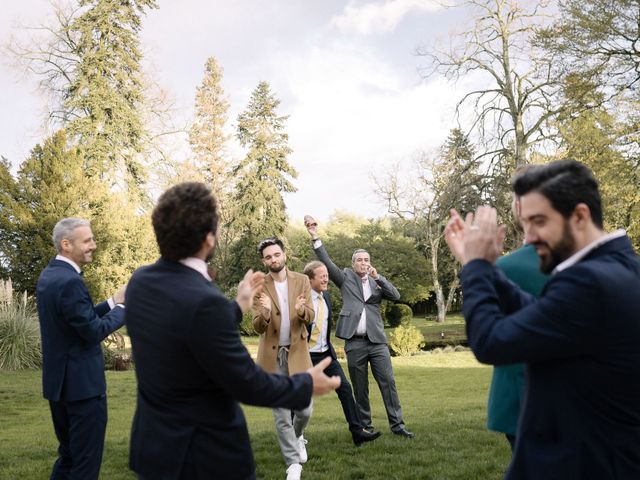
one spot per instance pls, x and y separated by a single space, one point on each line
437 184
510 110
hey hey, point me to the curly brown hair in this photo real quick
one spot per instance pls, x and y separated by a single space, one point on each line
182 218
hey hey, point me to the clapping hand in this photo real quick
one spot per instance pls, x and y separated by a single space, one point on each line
265 302
250 286
477 237
301 301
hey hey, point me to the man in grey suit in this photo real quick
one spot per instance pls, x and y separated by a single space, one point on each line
360 325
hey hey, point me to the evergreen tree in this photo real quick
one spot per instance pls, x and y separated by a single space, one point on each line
101 108
206 135
209 163
50 185
262 176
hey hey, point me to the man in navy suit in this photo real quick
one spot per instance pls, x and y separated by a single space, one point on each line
72 363
320 347
191 366
580 339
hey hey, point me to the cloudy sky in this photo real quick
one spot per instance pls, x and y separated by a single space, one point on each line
345 71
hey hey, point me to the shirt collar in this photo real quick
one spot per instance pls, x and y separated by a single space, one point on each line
197 264
583 252
69 261
317 295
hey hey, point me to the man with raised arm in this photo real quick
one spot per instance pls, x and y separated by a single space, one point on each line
360 325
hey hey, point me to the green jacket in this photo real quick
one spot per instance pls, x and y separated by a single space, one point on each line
522 267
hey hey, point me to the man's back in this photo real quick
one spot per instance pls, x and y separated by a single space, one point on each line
192 369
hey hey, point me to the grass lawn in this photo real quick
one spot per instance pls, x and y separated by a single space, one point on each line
443 398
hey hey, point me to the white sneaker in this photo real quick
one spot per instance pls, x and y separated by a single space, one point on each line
302 449
294 471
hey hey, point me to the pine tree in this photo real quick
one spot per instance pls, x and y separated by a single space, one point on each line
102 101
50 185
209 162
262 177
207 136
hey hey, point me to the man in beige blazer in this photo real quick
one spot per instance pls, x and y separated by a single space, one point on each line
281 314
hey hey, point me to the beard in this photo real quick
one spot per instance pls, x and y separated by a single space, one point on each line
559 252
276 268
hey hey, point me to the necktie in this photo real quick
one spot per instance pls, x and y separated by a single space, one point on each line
319 321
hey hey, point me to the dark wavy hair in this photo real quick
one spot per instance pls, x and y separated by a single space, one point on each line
565 183
267 242
182 218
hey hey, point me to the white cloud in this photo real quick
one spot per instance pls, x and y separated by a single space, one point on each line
353 116
379 17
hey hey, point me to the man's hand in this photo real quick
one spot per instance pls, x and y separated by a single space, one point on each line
250 286
265 302
483 237
454 235
118 297
301 301
373 272
312 226
477 237
321 383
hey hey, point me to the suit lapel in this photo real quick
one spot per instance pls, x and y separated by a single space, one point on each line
291 290
270 288
327 302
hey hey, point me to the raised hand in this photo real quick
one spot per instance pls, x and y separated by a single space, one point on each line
373 272
454 234
250 286
483 237
301 301
118 297
312 226
265 302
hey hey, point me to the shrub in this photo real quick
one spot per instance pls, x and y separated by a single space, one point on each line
399 314
246 324
116 359
406 340
19 331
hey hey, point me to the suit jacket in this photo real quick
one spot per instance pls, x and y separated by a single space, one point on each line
581 340
192 369
507 383
353 301
331 350
268 325
71 330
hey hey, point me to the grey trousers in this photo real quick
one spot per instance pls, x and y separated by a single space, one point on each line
288 428
360 352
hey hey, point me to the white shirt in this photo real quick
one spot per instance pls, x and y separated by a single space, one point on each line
583 252
282 289
321 345
69 261
197 264
362 324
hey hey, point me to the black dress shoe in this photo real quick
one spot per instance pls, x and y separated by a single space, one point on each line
403 432
364 436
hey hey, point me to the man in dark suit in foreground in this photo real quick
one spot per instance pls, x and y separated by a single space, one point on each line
191 366
72 363
320 347
580 339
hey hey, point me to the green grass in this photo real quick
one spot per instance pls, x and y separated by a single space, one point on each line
443 398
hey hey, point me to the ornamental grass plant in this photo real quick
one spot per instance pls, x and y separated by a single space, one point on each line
19 330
